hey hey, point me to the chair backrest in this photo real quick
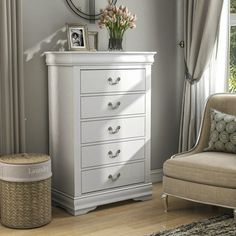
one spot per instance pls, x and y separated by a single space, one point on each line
223 102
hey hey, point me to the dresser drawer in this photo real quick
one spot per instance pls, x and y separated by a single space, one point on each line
111 177
102 81
102 106
103 130
112 153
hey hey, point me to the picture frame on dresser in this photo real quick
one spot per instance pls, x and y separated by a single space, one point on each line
93 40
77 37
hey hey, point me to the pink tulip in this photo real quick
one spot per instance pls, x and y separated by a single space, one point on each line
122 7
125 10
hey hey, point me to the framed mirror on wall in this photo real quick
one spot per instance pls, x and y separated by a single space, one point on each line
88 9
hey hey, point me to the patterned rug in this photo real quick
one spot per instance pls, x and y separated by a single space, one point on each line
223 225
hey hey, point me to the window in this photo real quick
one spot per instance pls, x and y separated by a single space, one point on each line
232 79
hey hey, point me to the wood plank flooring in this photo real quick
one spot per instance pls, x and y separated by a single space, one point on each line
126 218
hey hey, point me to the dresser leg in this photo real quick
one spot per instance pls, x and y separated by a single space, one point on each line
72 211
82 211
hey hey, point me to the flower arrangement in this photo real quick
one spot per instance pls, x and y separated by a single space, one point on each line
117 20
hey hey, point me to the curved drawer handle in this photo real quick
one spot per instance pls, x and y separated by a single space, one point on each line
112 178
111 131
113 107
110 154
111 82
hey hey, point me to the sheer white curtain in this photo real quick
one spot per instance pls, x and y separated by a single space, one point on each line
201 25
11 78
215 77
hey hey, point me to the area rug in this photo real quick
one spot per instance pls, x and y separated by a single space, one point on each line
223 225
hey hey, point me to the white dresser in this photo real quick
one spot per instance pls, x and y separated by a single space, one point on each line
99 119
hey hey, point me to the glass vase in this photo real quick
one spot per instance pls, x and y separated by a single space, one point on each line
115 44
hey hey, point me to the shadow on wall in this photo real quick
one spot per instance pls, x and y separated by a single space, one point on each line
55 42
36 90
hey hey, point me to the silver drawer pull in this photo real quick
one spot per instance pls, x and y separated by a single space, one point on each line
113 107
110 154
111 82
112 178
111 131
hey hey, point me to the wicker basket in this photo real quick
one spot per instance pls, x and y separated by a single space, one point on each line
25 182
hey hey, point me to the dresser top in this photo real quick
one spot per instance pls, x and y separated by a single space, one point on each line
98 58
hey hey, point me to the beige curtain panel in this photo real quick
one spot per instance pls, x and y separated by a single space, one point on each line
11 79
201 24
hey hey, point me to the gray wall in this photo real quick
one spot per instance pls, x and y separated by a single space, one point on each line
43 23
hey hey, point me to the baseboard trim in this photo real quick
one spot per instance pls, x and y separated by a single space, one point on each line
156 175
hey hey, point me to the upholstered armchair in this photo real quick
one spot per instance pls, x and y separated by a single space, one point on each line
206 176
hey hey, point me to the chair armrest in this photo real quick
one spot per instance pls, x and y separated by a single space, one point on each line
196 149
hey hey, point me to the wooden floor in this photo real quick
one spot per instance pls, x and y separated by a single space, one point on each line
125 218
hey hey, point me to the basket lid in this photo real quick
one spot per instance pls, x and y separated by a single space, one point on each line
25 167
24 158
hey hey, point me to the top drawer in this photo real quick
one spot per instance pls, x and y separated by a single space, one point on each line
102 81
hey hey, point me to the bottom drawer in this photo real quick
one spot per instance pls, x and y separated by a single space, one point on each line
111 177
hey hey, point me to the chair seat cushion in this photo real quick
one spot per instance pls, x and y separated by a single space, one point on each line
212 168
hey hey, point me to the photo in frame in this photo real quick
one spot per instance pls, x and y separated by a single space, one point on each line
93 40
77 36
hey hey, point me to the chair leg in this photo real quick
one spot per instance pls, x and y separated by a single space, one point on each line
234 214
164 197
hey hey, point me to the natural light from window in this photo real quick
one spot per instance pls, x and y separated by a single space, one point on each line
232 79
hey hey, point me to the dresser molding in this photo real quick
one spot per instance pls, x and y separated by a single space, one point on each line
77 130
99 58
84 204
